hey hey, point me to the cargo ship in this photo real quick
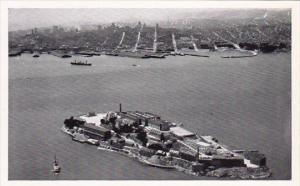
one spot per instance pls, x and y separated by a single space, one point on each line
81 63
156 142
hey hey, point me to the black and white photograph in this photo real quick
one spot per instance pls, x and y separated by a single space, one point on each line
162 93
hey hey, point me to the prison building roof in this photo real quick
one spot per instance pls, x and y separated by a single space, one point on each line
95 129
128 115
181 132
163 125
144 115
93 118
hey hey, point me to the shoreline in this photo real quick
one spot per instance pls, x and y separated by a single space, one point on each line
135 150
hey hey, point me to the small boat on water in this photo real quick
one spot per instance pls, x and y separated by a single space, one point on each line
81 63
36 54
56 168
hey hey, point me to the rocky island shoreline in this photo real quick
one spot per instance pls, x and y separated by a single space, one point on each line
160 143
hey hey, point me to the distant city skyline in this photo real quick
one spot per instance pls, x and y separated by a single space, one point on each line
29 18
20 19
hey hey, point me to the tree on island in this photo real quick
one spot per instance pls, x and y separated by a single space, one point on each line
142 136
71 122
162 137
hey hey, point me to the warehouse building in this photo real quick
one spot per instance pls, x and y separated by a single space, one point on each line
96 132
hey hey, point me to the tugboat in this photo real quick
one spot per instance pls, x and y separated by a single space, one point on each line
36 54
81 63
56 168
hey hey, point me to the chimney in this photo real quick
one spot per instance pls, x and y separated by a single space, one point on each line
197 154
120 107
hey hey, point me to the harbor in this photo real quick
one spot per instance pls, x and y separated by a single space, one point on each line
54 90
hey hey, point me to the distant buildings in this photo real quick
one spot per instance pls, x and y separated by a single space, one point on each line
108 37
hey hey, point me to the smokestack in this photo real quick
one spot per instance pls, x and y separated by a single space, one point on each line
120 107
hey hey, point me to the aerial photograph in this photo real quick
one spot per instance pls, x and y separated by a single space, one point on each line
149 94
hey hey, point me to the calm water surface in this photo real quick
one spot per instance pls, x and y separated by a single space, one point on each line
245 103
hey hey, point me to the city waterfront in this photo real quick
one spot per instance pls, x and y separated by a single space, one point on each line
245 103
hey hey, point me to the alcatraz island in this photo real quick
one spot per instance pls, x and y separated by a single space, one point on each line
156 142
